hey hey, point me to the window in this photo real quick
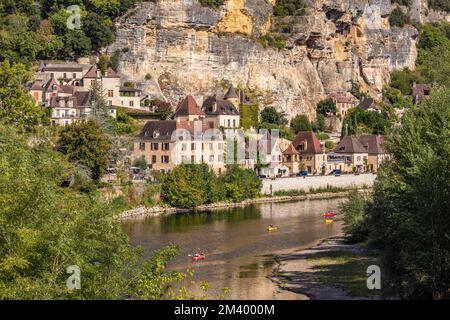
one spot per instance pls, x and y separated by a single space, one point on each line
234 123
154 159
164 159
229 122
211 146
131 103
220 158
183 147
211 159
92 82
52 75
65 75
192 159
154 146
74 75
110 93
192 146
142 146
183 159
220 146
165 146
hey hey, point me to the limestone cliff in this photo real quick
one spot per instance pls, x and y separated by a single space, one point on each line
191 49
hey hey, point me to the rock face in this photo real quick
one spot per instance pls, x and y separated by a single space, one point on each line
190 49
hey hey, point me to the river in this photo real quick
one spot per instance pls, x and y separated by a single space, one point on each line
239 251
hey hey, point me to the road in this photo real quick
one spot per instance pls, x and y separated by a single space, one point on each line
305 183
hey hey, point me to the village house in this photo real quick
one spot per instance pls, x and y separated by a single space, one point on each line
187 139
373 144
344 102
369 104
311 154
349 156
223 112
420 92
270 155
291 159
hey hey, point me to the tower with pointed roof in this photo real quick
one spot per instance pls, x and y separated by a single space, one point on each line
232 96
188 110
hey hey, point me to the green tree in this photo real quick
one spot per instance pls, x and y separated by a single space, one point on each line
85 142
300 123
17 106
191 185
320 124
270 115
409 215
241 184
100 30
45 228
327 106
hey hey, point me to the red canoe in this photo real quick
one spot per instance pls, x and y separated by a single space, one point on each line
198 257
329 215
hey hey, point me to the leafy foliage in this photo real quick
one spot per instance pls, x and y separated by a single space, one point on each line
300 123
212 3
38 29
45 228
273 41
398 18
241 184
355 217
86 143
272 116
409 214
17 106
327 106
359 121
285 8
440 5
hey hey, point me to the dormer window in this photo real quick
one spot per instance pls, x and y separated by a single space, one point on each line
156 134
342 149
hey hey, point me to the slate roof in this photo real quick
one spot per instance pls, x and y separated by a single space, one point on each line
350 145
373 144
222 107
367 103
164 128
231 94
92 73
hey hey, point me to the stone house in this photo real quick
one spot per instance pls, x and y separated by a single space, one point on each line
348 156
344 102
374 145
311 154
420 92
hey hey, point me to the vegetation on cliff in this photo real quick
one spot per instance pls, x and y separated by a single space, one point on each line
31 30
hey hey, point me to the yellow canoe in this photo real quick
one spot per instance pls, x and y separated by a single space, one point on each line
328 221
271 229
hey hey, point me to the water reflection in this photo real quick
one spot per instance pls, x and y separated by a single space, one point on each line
239 250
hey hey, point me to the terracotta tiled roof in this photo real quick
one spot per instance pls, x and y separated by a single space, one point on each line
188 106
290 150
312 143
350 145
342 98
92 73
372 143
110 73
37 85
52 82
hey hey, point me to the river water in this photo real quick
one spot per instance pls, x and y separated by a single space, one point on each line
239 251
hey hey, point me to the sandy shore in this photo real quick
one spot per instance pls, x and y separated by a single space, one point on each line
296 274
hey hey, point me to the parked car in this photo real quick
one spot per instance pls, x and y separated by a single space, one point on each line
337 172
263 176
303 174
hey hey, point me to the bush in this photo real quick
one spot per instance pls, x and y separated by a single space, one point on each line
285 8
397 18
355 226
323 136
330 145
327 106
241 184
191 185
270 115
439 5
274 41
300 123
212 3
